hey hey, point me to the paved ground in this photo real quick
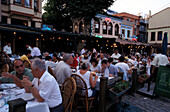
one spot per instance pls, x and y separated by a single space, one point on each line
147 104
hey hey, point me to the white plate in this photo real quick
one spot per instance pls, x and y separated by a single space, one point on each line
8 86
2 102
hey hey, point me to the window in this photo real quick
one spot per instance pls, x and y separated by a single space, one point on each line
128 19
27 2
116 29
152 36
123 33
104 26
4 2
160 35
17 1
110 29
135 31
4 19
136 21
32 23
36 5
128 33
97 26
81 27
19 22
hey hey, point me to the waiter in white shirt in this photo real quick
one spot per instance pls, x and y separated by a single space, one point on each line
159 60
116 56
35 52
7 50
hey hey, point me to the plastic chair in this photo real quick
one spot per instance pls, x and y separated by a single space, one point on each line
68 90
82 94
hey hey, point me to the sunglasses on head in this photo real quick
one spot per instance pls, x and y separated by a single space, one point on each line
19 66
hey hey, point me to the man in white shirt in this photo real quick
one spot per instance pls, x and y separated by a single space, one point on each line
63 70
159 60
44 86
7 50
35 52
116 56
124 66
83 51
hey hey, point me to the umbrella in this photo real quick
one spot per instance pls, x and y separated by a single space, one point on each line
164 44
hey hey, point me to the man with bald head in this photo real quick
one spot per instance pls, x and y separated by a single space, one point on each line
17 75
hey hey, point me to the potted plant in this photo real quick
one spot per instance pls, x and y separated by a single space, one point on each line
143 78
119 88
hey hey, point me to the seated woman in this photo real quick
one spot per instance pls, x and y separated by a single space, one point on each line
95 67
88 77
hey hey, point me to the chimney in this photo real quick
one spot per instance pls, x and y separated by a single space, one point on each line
149 13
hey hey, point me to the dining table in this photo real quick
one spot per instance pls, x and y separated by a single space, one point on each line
9 92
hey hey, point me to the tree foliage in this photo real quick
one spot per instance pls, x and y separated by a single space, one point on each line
60 12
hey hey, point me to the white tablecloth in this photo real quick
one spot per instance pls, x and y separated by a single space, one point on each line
15 93
97 87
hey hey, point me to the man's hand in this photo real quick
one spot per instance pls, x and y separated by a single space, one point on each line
7 75
25 82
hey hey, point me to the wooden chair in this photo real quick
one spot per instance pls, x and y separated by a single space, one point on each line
68 90
50 70
82 94
27 64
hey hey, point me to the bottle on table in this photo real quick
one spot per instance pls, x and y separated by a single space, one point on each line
106 72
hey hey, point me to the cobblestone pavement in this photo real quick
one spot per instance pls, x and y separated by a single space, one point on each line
147 104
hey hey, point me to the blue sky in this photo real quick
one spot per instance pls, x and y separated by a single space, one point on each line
140 6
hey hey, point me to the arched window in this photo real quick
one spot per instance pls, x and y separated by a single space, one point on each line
128 33
104 26
97 26
81 27
110 29
116 29
123 33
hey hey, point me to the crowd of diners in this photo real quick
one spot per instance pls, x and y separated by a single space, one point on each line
87 64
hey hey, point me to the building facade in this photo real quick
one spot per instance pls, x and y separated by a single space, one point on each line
19 19
22 12
104 26
126 29
131 18
143 30
159 24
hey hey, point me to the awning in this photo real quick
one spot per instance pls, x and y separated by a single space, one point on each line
7 28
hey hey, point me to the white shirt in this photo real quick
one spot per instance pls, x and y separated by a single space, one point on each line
51 64
124 66
160 59
29 48
35 52
82 51
7 49
62 71
48 89
98 68
114 55
86 78
94 50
